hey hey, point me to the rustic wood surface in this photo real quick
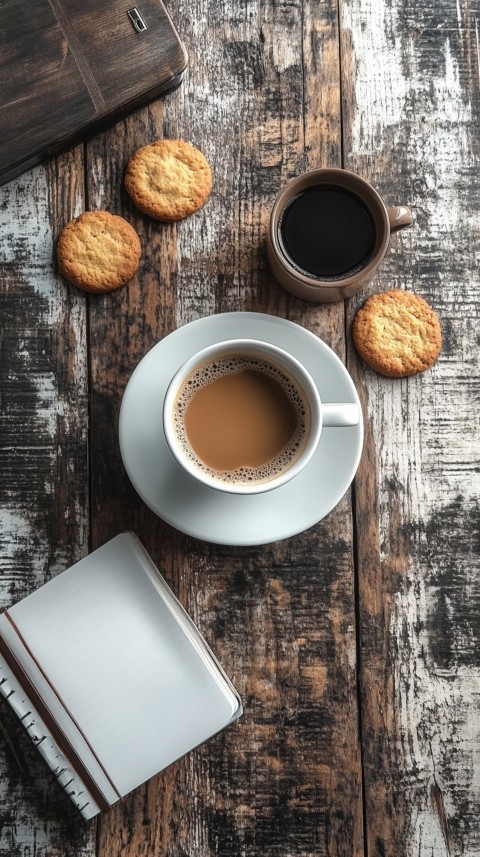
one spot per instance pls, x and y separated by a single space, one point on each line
355 646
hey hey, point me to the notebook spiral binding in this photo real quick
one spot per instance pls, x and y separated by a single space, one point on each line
42 738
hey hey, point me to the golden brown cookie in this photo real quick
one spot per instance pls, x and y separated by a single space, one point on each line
168 179
397 333
98 251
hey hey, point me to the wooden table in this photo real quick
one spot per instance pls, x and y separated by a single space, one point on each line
355 645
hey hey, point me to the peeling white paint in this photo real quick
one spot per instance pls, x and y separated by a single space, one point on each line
381 89
26 236
440 713
415 116
23 548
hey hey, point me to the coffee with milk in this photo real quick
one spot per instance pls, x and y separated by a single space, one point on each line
241 419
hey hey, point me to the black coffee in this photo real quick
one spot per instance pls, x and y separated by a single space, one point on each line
327 233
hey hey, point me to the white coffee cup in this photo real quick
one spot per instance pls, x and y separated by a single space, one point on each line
321 414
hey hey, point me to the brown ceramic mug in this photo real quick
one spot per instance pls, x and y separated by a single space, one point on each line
381 221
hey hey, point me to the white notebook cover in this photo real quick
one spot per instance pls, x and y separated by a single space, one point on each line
106 650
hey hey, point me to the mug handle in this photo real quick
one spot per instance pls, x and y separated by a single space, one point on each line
399 216
341 414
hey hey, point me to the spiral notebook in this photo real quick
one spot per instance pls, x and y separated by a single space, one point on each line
109 675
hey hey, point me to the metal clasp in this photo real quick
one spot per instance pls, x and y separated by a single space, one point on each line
137 20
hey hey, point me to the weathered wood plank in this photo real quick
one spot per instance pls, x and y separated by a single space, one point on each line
261 99
411 109
43 466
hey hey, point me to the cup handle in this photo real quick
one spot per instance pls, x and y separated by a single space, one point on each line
399 217
341 414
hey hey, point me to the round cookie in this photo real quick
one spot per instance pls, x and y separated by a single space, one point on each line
98 251
168 179
397 333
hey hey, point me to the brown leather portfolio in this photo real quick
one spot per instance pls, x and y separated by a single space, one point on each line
67 68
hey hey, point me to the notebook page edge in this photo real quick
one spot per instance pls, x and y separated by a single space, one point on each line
188 626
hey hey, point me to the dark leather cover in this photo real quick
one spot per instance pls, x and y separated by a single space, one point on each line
67 68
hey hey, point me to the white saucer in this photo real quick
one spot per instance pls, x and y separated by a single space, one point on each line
206 513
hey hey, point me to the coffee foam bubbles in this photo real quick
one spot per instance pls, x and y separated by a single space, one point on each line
232 365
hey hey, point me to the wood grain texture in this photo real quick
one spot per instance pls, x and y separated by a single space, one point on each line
261 99
43 465
67 69
411 112
37 109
